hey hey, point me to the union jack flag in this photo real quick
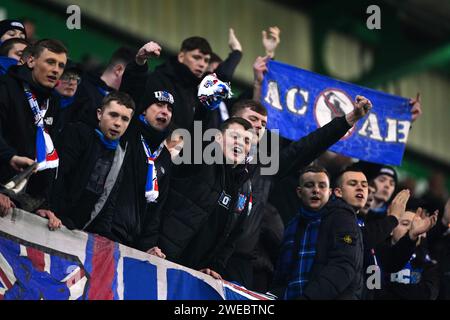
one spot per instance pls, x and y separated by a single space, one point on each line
30 272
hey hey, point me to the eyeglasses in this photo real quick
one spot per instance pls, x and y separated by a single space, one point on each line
69 77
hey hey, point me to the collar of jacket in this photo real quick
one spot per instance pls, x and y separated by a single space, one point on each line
23 73
337 203
180 72
95 79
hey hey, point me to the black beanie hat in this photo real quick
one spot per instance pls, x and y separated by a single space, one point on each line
373 170
154 96
389 171
6 25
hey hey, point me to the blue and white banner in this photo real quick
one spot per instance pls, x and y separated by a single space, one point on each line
39 264
300 101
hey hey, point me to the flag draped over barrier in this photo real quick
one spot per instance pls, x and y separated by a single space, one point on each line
299 101
36 263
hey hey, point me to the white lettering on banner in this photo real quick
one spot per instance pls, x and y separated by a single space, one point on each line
273 95
273 98
332 103
405 126
290 101
371 125
397 130
392 130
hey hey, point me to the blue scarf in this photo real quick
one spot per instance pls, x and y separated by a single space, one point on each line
293 268
102 91
6 63
309 215
64 102
381 211
109 144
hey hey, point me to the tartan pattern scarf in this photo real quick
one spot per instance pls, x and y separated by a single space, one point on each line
298 252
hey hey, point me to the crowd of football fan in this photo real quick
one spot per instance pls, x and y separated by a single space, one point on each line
96 150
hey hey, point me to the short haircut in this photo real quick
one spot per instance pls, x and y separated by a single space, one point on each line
26 53
194 43
123 55
215 58
351 168
9 44
121 98
52 45
226 124
313 169
248 103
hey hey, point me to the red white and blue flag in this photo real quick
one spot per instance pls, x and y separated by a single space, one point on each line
39 264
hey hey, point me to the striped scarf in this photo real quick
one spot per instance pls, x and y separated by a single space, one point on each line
46 155
151 185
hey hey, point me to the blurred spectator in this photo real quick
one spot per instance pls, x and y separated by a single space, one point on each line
13 48
30 29
182 74
224 69
435 197
91 64
334 162
11 53
11 29
94 87
65 90
419 277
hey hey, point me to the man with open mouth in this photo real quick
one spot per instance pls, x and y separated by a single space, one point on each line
209 202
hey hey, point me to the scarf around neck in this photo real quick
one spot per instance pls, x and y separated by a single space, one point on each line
107 143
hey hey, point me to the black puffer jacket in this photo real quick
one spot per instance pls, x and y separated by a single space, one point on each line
204 215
